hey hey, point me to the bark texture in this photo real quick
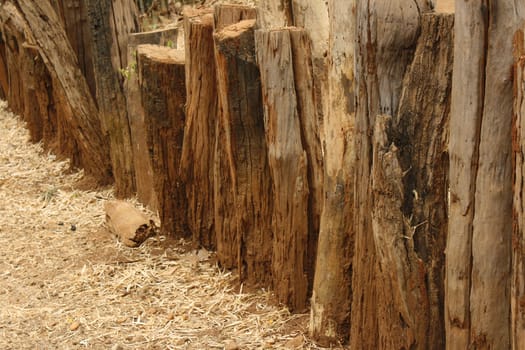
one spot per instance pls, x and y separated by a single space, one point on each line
331 297
480 225
161 74
199 134
141 158
381 317
75 19
109 28
87 142
518 238
288 161
243 190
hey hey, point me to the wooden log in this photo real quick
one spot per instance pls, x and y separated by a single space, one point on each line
274 14
228 14
4 79
13 32
309 116
107 61
141 159
83 122
74 16
162 81
420 133
480 224
36 95
130 225
386 36
199 134
243 192
518 238
331 296
288 166
234 247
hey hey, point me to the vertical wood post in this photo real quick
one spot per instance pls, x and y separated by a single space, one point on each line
161 73
243 192
199 134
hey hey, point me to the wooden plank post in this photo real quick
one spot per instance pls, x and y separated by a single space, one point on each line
243 205
161 74
479 244
81 116
141 158
386 36
518 238
331 296
288 161
199 134
107 62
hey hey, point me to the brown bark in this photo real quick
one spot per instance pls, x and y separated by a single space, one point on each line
518 238
243 192
331 296
107 31
226 14
275 14
288 166
75 20
309 116
232 66
199 134
4 80
141 159
386 36
480 224
61 62
162 82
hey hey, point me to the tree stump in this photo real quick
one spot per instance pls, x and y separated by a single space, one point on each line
228 14
288 167
386 38
161 75
141 159
243 192
75 19
82 122
199 134
518 238
109 28
331 296
479 243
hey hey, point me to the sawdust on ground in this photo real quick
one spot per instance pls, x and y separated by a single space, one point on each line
65 283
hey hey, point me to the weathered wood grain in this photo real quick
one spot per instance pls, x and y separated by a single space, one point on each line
199 134
161 75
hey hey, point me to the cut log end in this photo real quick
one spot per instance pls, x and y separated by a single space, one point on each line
130 225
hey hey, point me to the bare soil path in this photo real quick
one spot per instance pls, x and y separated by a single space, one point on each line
66 284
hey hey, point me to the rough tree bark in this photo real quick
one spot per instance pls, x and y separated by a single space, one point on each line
386 37
108 30
4 79
162 81
199 134
60 60
75 20
288 161
274 14
518 238
331 296
480 224
243 192
225 15
141 159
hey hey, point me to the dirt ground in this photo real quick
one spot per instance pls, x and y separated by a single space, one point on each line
65 283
